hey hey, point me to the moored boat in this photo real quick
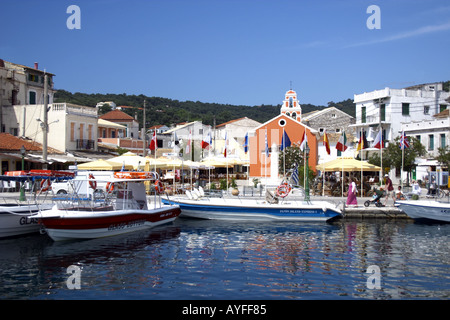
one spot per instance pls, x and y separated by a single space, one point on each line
425 209
255 209
16 217
123 208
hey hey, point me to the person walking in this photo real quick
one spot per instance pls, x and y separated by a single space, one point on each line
352 191
389 189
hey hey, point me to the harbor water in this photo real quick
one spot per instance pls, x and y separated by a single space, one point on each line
208 260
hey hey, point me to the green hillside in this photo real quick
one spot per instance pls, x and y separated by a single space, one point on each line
167 111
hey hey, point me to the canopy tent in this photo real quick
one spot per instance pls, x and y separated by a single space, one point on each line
216 163
104 165
130 158
347 164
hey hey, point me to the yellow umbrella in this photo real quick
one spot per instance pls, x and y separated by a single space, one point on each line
104 165
130 158
347 164
213 162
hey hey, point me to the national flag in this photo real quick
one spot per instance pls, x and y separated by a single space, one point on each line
188 146
404 142
378 142
294 176
175 139
207 141
362 144
304 141
285 141
326 143
226 145
246 143
153 144
342 143
267 146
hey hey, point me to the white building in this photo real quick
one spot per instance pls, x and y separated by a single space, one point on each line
70 127
433 133
389 108
21 85
236 129
196 130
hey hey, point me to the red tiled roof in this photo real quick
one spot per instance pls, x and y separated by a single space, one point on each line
116 115
12 143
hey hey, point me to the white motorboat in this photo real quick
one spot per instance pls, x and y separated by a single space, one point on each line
16 217
425 209
269 209
123 208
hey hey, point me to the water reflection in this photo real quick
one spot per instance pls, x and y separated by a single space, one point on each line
196 259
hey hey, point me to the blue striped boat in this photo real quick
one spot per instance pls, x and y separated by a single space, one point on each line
254 209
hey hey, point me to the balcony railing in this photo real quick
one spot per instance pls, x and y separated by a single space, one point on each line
85 144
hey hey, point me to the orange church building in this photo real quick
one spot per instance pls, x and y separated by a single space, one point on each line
288 121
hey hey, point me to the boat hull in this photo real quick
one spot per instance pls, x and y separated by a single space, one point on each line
425 210
254 211
63 225
17 220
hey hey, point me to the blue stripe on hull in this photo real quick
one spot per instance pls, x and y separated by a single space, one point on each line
254 212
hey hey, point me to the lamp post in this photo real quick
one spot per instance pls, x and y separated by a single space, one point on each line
22 190
307 198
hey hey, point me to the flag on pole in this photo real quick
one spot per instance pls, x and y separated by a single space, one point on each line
188 146
342 143
285 141
153 145
378 142
246 143
362 144
326 143
175 141
294 176
404 142
207 141
267 146
304 141
226 145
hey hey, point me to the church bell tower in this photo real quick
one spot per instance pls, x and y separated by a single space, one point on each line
291 107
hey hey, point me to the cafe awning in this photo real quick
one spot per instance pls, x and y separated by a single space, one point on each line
347 164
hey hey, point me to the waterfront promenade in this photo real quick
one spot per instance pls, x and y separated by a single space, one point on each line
359 211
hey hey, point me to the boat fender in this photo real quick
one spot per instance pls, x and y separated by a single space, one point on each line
109 187
283 190
159 186
46 185
92 182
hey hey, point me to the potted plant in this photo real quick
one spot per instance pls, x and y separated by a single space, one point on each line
255 182
235 190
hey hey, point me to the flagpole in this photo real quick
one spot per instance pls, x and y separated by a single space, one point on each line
284 157
342 162
362 155
402 140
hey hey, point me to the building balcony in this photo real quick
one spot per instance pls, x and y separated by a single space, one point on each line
85 144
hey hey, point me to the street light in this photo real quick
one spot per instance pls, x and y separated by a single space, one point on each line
22 189
307 198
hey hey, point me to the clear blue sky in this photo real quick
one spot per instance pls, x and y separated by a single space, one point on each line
231 51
